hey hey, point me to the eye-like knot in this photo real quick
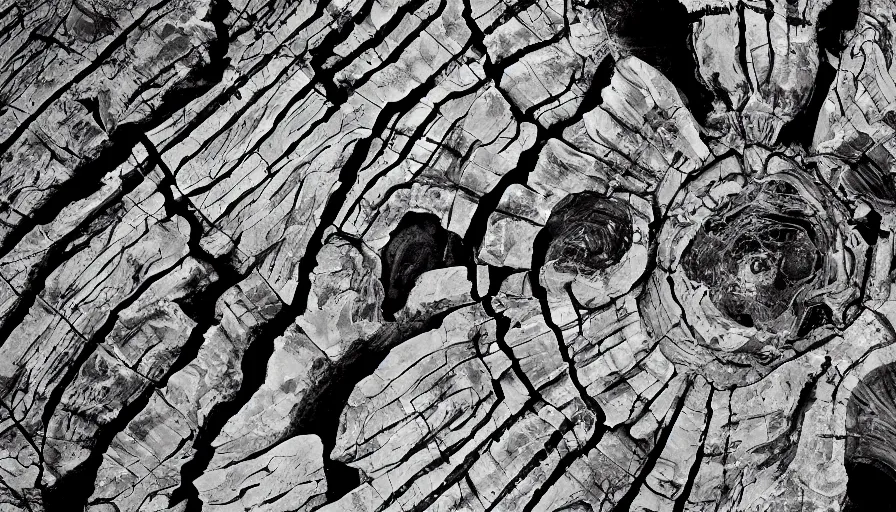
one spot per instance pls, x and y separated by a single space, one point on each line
588 233
751 262
593 247
758 254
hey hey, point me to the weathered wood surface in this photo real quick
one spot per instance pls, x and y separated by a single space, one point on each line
377 255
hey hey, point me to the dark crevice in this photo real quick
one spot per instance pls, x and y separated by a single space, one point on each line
801 129
769 14
322 404
253 367
682 500
563 466
592 99
834 23
62 250
489 201
625 503
116 149
92 105
95 65
742 45
326 76
782 449
537 458
502 327
462 469
76 486
726 451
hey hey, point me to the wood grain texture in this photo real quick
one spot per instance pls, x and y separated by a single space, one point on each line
473 255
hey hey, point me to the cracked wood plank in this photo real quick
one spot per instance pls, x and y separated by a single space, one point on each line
528 255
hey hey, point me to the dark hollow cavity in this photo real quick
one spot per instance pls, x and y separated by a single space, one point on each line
756 255
834 24
870 489
659 33
871 443
586 232
817 315
418 244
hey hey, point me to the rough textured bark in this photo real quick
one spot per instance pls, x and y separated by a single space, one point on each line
519 255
